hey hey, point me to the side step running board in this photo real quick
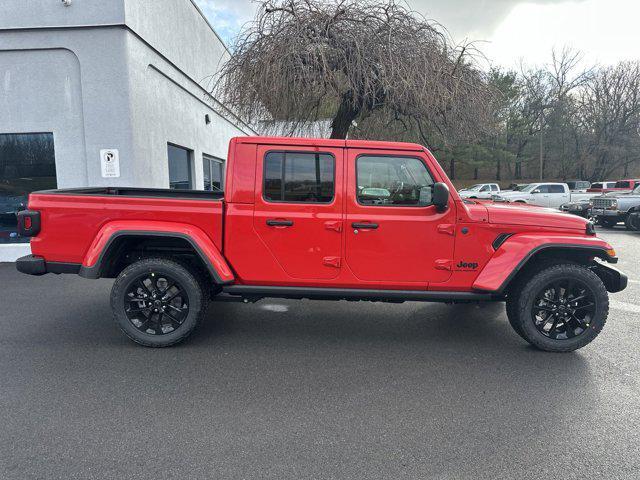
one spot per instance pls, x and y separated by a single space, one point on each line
253 293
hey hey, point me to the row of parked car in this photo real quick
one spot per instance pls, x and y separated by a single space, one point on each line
607 203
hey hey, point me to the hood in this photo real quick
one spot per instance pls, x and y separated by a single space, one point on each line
510 214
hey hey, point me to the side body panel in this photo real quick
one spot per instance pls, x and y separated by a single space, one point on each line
72 223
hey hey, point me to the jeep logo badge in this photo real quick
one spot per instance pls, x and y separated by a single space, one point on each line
470 266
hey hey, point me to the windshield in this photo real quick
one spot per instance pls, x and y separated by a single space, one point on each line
528 188
637 190
475 188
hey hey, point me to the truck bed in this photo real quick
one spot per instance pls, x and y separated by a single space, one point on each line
72 218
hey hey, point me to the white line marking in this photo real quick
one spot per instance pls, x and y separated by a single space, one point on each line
624 306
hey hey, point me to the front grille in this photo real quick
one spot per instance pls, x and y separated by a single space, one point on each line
602 202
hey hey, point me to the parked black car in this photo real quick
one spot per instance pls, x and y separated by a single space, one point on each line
582 208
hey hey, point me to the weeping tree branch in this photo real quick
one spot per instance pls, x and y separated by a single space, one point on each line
348 61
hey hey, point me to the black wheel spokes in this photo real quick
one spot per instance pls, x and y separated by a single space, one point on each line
563 309
156 304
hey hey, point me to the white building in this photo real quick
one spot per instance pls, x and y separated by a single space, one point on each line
82 78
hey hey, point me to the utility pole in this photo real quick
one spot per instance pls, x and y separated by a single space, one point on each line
541 147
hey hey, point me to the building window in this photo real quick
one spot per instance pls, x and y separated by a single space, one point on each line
393 181
179 168
298 177
27 164
213 173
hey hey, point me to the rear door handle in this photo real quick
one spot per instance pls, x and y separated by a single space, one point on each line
364 226
280 223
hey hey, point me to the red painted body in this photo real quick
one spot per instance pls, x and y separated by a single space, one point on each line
414 248
633 183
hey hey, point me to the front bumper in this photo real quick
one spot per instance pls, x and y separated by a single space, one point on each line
614 280
601 212
36 265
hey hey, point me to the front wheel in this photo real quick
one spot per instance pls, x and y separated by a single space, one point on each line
632 223
157 302
608 223
561 308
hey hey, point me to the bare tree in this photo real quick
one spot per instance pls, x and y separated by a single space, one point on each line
347 61
610 114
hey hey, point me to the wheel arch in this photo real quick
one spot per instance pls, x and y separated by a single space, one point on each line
514 259
114 248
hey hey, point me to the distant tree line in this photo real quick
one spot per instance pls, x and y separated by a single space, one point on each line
374 69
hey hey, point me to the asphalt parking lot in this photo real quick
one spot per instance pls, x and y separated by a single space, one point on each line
323 390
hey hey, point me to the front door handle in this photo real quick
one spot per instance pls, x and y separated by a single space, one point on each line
364 226
280 223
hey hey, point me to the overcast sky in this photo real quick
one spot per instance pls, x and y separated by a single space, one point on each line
507 31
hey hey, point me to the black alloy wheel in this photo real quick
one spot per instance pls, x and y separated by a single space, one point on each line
156 303
564 309
558 307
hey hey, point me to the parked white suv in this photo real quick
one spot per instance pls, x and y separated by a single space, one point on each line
481 190
544 195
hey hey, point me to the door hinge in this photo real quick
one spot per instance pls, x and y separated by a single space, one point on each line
443 264
331 262
336 226
447 228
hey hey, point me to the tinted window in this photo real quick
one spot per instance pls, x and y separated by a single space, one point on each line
27 164
213 172
179 168
401 181
494 188
556 189
623 185
299 177
597 185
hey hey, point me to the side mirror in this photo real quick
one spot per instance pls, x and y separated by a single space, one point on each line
536 191
440 196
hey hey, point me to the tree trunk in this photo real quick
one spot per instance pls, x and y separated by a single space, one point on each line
345 116
452 168
499 169
475 173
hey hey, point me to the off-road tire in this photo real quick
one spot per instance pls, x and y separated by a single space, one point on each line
189 280
511 306
535 281
632 226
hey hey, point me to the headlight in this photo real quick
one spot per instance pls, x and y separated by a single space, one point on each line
614 205
591 202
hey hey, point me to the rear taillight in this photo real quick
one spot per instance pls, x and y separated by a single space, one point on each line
28 223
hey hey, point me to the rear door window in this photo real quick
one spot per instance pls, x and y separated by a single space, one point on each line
299 177
556 189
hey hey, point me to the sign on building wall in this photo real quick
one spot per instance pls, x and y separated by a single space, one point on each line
110 163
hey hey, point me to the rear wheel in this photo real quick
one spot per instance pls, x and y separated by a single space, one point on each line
157 302
560 308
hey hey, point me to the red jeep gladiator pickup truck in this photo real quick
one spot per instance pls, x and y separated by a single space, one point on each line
325 220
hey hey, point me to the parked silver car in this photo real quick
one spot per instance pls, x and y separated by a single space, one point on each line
613 208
